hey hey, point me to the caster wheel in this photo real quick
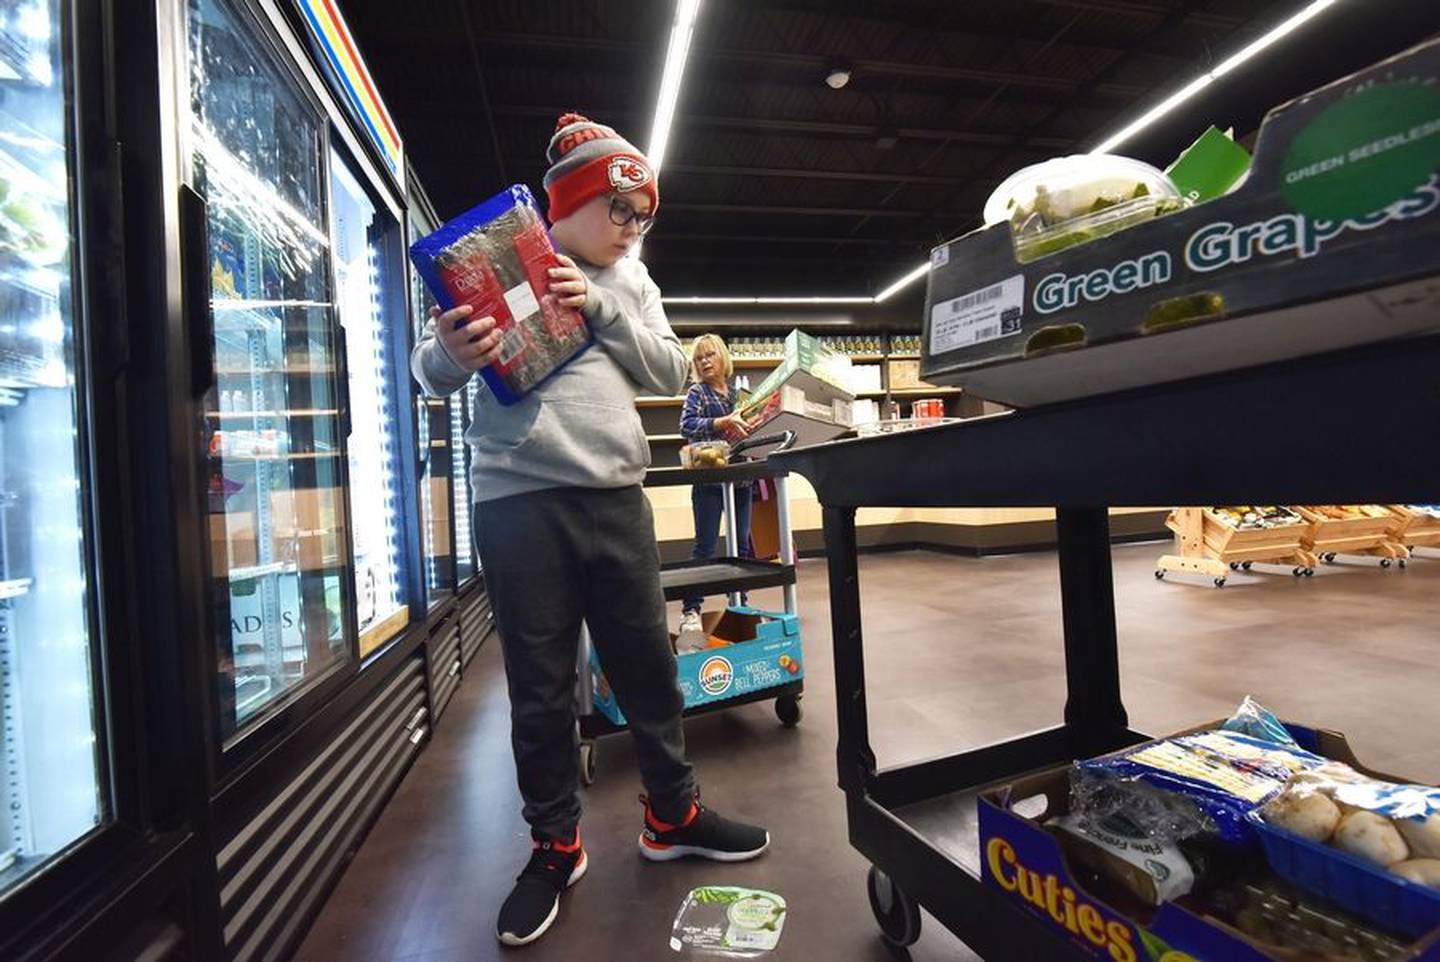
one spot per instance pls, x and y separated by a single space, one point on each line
1298 572
1234 566
1246 564
1330 558
1384 562
587 763
788 710
897 915
1219 582
1403 563
1309 572
1159 574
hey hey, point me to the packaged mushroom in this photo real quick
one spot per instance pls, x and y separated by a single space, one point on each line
496 258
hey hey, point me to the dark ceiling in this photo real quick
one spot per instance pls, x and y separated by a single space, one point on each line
776 184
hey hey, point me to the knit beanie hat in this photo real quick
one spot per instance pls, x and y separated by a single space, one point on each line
589 159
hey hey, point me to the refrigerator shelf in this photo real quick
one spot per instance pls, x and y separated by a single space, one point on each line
262 571
288 413
15 587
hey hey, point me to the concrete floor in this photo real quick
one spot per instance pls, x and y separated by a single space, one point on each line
959 652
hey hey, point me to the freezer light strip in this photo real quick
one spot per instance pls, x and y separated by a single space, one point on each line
1164 107
391 587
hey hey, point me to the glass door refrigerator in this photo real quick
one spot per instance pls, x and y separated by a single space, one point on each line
278 519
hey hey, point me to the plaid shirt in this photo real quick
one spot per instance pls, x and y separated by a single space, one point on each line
703 404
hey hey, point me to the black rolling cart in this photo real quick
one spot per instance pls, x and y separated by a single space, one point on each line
1151 447
729 575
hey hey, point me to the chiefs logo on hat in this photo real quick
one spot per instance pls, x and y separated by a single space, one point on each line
627 173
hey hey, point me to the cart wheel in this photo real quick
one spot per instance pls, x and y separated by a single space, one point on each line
788 710
1384 562
1309 572
1234 566
1159 574
1219 582
1246 564
1298 572
587 763
1330 558
897 915
1402 563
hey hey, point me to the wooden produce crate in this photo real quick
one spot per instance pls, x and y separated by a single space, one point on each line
1329 536
1414 527
1207 543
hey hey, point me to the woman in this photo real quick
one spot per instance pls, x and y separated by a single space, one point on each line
566 535
709 415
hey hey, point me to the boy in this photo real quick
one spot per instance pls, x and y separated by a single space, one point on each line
566 534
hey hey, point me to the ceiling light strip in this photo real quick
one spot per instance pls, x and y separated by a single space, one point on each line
676 53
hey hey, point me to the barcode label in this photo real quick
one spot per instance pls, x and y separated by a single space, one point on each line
979 316
512 344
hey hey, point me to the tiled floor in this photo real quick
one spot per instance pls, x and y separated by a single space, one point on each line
958 652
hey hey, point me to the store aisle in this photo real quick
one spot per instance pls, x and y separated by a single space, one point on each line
960 651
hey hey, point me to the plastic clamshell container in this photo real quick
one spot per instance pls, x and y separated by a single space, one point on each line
694 454
1073 184
1362 887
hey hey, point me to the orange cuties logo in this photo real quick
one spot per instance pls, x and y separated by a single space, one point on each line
627 173
716 675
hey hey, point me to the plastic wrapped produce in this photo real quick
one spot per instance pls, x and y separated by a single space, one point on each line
495 258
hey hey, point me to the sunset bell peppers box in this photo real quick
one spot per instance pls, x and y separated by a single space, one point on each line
1012 845
764 652
1333 240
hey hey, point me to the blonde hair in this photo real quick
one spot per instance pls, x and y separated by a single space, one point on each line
727 365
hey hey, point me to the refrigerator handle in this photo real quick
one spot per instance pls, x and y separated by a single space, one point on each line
195 289
342 377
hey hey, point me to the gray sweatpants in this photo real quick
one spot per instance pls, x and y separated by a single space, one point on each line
551 559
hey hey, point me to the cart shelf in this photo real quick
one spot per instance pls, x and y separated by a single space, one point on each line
718 576
1149 447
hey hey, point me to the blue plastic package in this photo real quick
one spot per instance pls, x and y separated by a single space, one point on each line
496 258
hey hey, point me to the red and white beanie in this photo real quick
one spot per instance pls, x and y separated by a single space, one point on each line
589 159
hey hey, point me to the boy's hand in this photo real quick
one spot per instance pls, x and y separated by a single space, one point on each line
471 343
569 284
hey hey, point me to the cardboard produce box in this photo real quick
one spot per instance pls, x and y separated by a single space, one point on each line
813 422
821 374
752 650
1333 240
1056 883
905 373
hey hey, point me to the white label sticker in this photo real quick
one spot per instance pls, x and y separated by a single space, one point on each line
521 301
940 256
512 344
980 316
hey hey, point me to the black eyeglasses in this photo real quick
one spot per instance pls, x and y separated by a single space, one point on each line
621 214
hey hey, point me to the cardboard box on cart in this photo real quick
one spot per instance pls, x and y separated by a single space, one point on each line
754 650
1333 240
1012 844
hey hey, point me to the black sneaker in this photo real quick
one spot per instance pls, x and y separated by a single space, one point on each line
535 900
703 833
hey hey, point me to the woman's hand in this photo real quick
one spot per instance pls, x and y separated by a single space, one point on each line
471 343
569 284
734 425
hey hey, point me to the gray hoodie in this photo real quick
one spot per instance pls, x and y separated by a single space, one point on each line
580 428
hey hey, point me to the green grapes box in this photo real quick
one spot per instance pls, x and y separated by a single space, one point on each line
1331 241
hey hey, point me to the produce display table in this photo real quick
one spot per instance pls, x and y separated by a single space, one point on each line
1151 446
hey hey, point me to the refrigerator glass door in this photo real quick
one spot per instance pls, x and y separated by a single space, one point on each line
51 787
435 454
277 510
364 267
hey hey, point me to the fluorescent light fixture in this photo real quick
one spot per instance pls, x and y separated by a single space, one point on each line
910 277
675 56
1164 107
1308 12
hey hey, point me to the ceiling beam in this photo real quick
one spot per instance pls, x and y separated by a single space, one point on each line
810 63
972 138
1140 8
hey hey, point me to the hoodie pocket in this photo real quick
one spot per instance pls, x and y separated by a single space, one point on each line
607 442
